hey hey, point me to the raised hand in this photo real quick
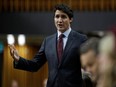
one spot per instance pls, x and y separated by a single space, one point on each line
14 52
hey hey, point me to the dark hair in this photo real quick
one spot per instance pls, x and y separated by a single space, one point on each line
65 9
90 44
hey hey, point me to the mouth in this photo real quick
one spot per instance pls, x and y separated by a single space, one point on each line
60 25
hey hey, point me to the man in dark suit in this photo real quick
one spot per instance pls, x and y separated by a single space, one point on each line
61 50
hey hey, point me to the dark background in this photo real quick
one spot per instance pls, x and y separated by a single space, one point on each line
42 23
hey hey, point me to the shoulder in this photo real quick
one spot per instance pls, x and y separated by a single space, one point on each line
53 36
78 35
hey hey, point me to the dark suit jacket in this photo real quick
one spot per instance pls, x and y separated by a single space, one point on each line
65 74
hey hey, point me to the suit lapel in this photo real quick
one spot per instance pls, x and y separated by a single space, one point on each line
54 45
67 47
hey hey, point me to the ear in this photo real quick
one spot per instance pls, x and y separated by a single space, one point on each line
71 20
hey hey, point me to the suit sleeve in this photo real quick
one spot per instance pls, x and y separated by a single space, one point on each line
34 64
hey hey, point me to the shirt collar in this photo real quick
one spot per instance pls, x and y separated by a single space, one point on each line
66 33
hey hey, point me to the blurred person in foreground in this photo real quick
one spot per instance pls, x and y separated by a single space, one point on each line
61 50
89 59
107 61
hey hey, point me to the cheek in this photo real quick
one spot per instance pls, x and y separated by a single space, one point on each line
83 61
66 21
66 24
55 20
95 68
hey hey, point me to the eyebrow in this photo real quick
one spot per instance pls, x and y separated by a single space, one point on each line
61 15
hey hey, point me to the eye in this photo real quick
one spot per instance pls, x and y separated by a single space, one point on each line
90 65
57 16
64 16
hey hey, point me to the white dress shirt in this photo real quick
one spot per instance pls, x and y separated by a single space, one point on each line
66 33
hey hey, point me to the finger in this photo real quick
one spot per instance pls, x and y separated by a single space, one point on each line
12 53
15 54
9 46
12 47
11 50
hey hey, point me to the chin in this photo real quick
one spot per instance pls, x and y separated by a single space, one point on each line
61 29
93 79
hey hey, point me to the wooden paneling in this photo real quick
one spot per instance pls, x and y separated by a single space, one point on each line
47 5
24 78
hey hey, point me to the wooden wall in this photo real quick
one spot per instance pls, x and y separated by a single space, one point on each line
24 78
47 5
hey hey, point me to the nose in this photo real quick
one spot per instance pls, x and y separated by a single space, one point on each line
89 70
60 19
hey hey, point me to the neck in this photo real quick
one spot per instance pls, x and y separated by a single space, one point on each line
62 31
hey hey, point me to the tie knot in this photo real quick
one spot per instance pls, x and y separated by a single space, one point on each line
61 36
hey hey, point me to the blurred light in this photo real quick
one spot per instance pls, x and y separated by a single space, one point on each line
10 39
21 39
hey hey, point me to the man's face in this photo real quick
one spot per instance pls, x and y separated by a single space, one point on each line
89 63
62 21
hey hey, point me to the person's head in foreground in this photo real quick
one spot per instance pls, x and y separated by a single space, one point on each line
89 54
107 61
